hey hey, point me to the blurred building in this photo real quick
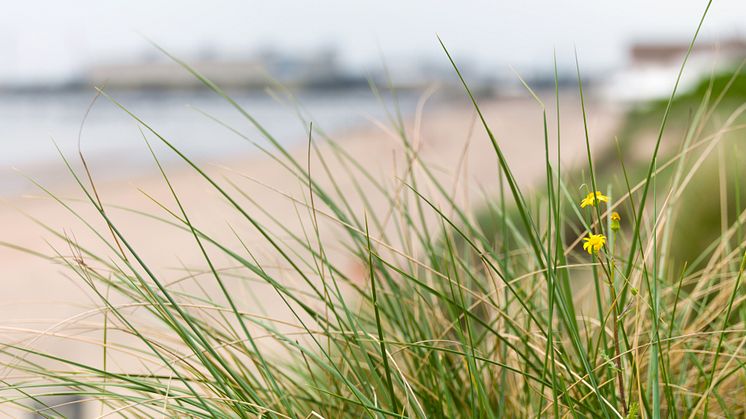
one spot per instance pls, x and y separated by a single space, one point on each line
317 69
167 74
653 66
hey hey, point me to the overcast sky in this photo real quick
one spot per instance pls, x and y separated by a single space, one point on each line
45 40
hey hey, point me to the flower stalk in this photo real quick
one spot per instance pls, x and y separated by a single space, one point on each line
594 244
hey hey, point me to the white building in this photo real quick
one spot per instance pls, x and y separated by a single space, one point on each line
653 67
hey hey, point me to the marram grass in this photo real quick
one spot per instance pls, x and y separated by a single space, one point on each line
567 306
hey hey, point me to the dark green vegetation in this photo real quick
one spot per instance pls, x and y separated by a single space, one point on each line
714 198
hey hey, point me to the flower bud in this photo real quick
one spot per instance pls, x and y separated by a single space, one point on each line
615 221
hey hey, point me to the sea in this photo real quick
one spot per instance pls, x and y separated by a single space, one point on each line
37 128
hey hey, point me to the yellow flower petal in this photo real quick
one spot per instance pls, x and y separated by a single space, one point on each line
591 199
594 243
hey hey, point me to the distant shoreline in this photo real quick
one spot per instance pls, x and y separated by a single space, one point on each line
114 155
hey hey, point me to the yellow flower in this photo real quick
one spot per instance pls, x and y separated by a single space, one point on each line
615 216
590 199
594 243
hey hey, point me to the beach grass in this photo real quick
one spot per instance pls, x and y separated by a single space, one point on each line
452 312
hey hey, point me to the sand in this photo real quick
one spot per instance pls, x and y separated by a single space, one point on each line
41 295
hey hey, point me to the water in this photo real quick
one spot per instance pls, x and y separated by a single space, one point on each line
30 124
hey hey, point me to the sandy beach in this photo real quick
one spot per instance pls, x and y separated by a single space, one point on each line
43 298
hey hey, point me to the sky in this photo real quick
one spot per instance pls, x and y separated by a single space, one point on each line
43 41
